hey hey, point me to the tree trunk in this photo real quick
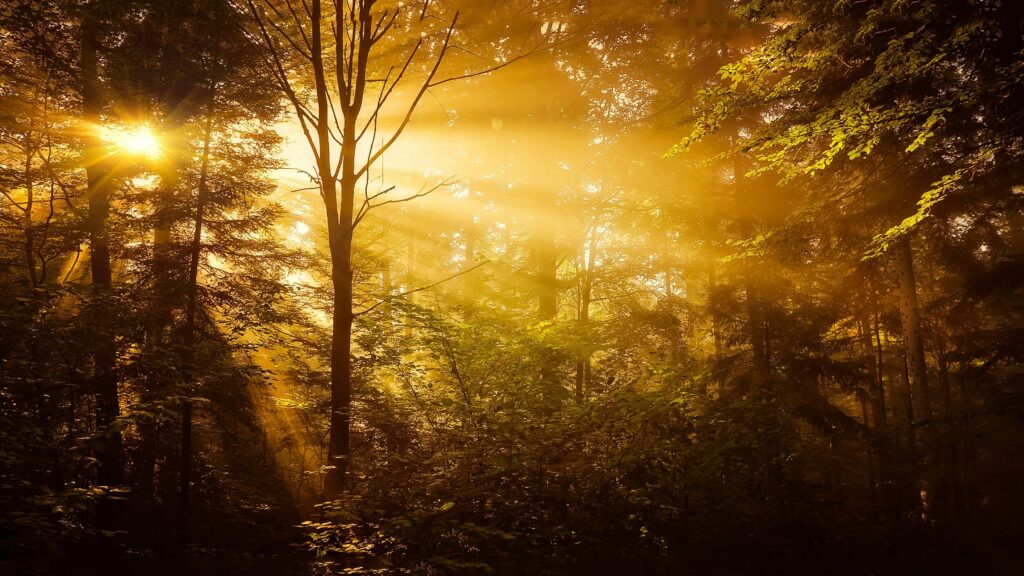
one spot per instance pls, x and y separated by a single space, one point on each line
197 242
469 232
757 330
341 376
913 339
546 262
716 328
547 280
410 278
30 258
109 448
109 453
191 310
878 393
908 397
872 483
583 367
339 448
386 289
163 250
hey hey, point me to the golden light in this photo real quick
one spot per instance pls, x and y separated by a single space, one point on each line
136 140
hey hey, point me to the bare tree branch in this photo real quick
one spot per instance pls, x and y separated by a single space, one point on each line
420 289
419 96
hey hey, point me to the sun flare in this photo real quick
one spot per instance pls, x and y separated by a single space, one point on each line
134 140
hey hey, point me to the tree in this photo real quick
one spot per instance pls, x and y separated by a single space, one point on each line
839 85
315 77
100 173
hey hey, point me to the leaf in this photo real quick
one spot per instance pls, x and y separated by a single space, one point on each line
927 131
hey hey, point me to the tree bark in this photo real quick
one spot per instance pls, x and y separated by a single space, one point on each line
410 278
341 372
195 252
163 249
878 394
469 232
716 330
757 330
386 289
98 173
872 483
30 258
913 339
109 449
583 367
908 397
340 233
191 311
547 281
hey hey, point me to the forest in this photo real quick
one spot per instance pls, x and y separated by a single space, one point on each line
511 287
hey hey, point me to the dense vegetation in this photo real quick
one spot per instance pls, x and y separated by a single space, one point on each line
520 287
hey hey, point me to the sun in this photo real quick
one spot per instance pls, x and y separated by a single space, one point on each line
135 140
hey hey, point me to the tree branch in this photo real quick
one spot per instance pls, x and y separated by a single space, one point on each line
420 289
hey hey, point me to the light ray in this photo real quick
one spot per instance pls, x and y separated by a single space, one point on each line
134 140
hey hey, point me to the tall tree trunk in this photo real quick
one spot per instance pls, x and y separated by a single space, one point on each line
410 277
546 260
908 396
196 248
757 329
866 332
879 449
913 339
469 233
339 237
872 483
386 289
190 335
716 328
881 441
341 364
30 194
583 367
666 262
109 451
163 250
878 393
339 447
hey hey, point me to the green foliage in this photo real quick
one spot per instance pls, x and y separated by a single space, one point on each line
685 367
